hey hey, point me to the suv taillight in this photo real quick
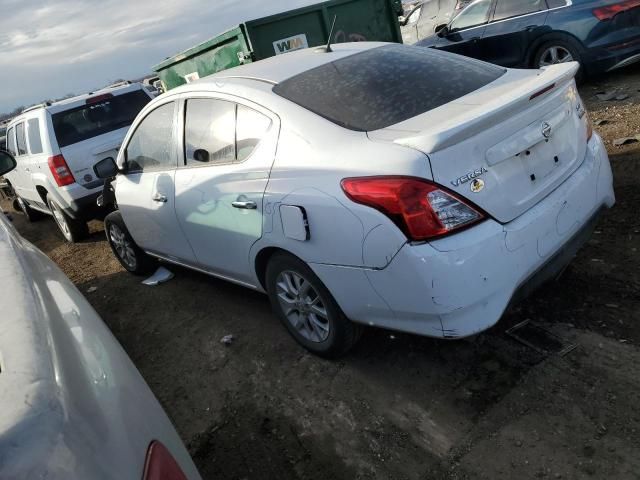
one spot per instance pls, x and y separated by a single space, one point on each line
160 465
60 171
423 210
610 11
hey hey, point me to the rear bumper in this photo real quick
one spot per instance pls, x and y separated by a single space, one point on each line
78 202
600 60
460 285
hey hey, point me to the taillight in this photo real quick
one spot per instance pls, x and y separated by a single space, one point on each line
610 11
60 171
160 465
421 209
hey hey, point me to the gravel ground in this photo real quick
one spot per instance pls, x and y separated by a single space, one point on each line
399 406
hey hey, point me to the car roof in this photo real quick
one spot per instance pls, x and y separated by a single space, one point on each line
276 69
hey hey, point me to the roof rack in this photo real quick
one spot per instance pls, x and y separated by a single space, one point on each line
36 107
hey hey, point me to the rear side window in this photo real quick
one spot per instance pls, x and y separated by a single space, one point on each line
33 132
151 146
218 132
386 85
21 139
513 8
11 142
101 116
251 128
209 135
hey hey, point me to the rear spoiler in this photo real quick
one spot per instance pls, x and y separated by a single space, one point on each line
479 110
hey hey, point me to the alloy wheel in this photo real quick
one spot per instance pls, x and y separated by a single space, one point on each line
302 306
554 55
58 216
122 246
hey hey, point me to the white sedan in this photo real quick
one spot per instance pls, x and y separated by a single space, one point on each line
375 184
73 405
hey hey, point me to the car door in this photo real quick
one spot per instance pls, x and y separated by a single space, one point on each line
16 176
229 149
428 18
514 26
464 32
27 189
145 191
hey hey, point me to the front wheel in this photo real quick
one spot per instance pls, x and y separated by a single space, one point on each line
72 230
130 255
307 309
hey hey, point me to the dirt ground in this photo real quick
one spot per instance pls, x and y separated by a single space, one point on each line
399 406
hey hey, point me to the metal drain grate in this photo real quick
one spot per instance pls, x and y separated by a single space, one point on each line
539 338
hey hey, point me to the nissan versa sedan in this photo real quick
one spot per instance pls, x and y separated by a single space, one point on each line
374 184
73 405
601 35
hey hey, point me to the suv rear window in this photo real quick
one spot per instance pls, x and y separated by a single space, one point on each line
88 121
386 85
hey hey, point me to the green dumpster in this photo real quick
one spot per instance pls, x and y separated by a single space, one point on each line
356 20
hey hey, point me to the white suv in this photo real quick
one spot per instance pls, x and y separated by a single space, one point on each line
56 146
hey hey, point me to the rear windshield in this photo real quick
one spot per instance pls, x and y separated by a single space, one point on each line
87 121
386 85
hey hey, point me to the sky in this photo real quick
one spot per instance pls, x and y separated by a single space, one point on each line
49 49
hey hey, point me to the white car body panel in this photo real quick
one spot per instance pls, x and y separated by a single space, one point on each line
449 287
73 404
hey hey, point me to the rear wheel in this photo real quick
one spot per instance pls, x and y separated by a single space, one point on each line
307 309
559 50
130 256
30 214
72 230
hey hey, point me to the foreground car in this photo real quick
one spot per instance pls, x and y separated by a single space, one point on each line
73 404
600 35
378 184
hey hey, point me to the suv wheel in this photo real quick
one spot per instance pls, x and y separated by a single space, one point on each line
30 214
73 230
130 256
307 309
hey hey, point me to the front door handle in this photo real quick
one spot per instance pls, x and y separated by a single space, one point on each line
158 197
248 205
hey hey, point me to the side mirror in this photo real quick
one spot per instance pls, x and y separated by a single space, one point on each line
7 162
106 168
442 30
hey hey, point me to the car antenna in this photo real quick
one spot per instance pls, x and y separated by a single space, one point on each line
327 48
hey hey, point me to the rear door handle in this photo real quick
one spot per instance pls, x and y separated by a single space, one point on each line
158 197
246 205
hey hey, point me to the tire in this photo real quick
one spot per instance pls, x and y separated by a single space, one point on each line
130 256
555 50
30 214
72 230
328 335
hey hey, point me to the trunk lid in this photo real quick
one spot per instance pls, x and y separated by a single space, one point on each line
505 146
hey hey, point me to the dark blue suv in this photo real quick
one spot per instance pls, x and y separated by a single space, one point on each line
601 35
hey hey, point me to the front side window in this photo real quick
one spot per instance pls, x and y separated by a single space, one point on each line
474 15
21 139
33 132
209 135
514 8
11 142
151 146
